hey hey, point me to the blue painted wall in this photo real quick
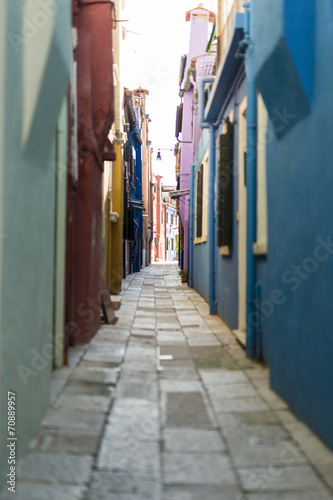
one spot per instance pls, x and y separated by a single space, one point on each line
226 283
200 251
298 341
227 266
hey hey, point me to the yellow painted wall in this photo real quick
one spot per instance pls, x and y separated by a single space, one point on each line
116 269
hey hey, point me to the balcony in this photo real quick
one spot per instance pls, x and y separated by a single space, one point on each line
226 23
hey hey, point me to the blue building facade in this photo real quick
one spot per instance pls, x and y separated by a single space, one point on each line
133 202
262 241
294 73
215 271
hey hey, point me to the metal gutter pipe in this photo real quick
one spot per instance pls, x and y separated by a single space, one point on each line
211 191
190 253
251 173
211 220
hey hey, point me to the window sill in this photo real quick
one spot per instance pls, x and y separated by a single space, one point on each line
225 250
202 239
114 216
260 248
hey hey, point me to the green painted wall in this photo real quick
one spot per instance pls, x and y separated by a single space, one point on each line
34 72
60 235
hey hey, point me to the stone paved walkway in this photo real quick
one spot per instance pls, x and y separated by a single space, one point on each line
165 406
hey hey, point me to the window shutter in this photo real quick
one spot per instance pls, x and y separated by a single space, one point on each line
130 223
128 226
199 202
179 120
125 223
128 151
225 188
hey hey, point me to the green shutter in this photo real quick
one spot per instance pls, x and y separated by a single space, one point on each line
225 188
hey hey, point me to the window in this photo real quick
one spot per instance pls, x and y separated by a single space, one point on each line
162 216
199 17
198 232
155 188
225 187
201 202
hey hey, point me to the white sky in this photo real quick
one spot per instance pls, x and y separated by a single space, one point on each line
157 37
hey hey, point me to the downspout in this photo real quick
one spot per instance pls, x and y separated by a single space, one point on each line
211 192
190 254
251 172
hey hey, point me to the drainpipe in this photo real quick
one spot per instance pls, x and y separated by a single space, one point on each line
211 192
251 173
190 254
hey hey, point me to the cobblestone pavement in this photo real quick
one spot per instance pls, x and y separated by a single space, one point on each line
165 406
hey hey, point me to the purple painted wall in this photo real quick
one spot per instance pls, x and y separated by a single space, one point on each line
199 19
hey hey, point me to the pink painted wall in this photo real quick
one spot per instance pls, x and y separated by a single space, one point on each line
197 46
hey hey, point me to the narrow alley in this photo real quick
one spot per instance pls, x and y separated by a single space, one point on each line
164 405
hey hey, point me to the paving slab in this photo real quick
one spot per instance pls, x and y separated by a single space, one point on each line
73 420
130 456
114 358
166 339
67 441
134 427
137 389
140 407
197 469
290 495
198 492
186 386
167 326
186 410
82 403
95 375
176 352
178 374
143 333
263 445
107 485
219 377
239 405
28 491
313 448
278 477
203 341
56 468
77 387
192 440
